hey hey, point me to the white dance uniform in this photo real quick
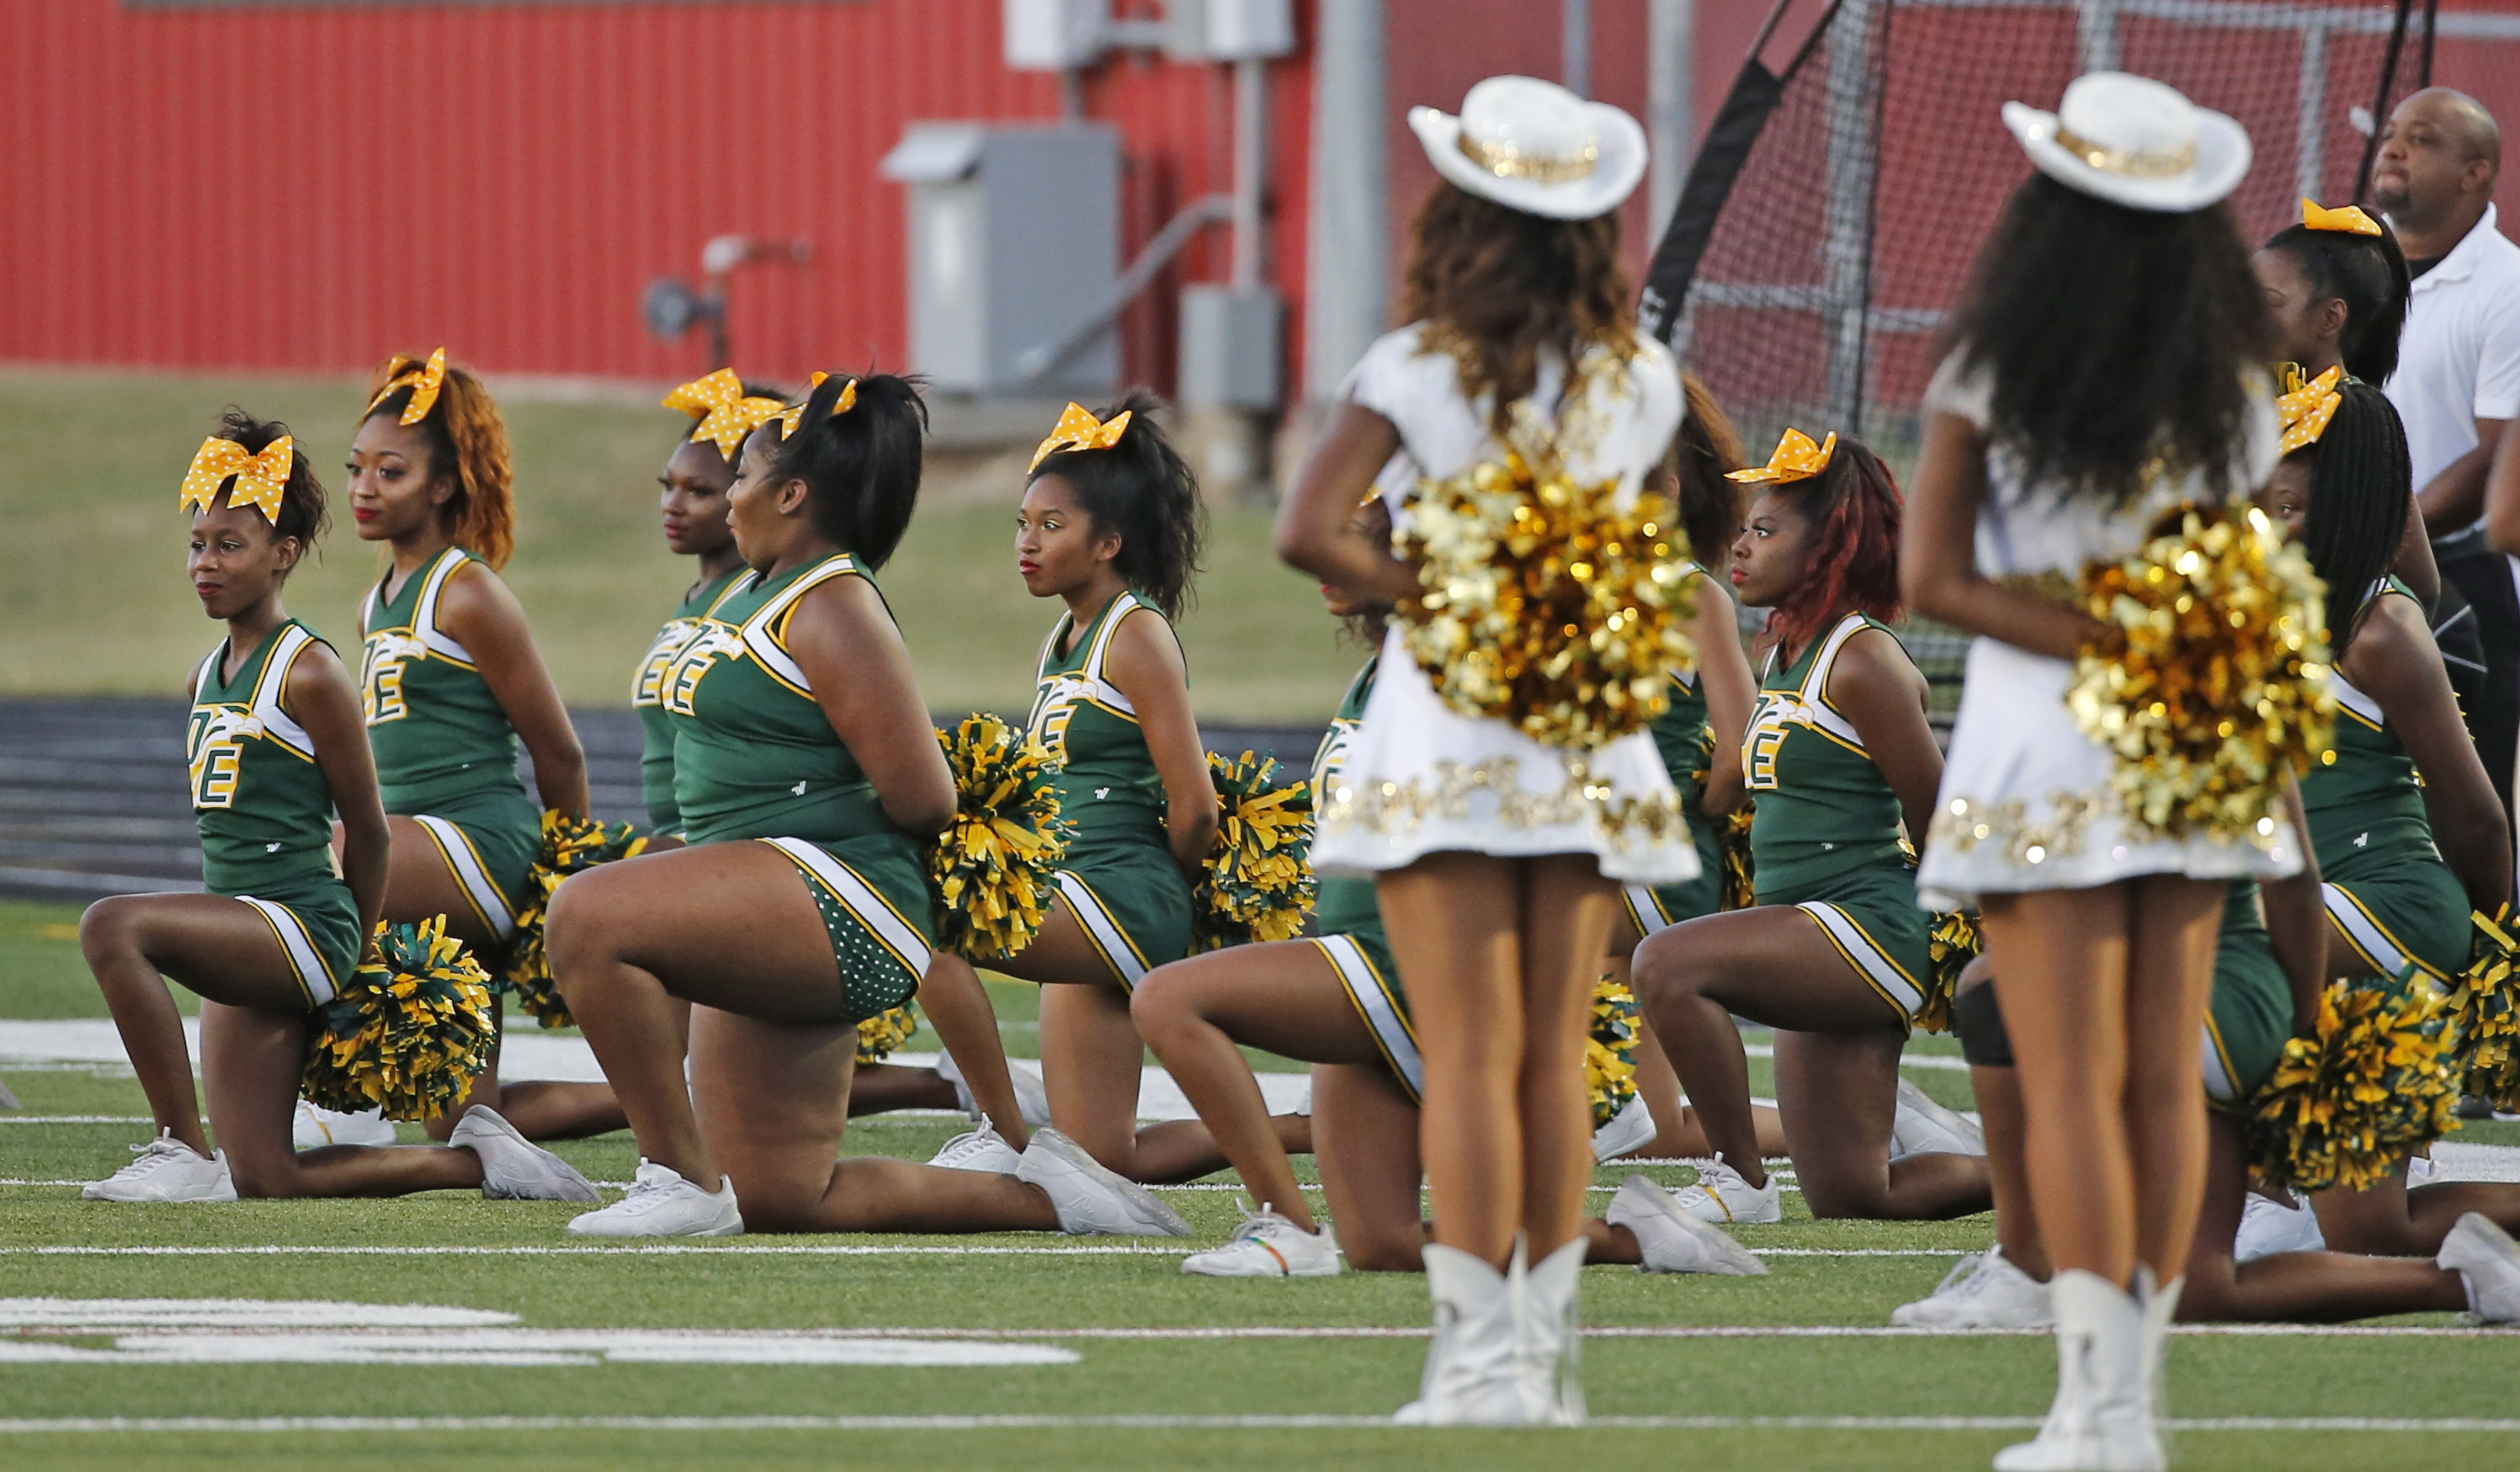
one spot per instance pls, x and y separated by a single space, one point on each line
1420 777
2026 801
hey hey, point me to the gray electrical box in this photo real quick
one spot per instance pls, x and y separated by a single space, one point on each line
1230 347
1014 244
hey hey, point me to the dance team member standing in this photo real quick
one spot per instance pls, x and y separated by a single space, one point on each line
1498 857
2060 427
798 724
1336 1002
1837 956
451 681
1110 525
275 748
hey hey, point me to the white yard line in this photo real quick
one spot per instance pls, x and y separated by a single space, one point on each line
406 1425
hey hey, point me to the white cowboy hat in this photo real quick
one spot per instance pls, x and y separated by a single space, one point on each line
1535 147
2136 142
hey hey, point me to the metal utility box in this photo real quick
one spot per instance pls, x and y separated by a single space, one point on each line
1230 347
1014 243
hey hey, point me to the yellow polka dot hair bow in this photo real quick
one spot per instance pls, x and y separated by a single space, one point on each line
794 414
1079 430
726 414
260 480
423 378
2351 219
2307 408
1796 459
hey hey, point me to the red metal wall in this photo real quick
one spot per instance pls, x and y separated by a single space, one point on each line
315 188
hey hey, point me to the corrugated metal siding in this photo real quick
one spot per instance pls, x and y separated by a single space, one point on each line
312 188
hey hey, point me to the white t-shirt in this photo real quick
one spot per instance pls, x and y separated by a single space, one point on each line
2459 359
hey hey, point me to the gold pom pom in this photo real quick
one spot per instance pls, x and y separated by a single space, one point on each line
994 867
2489 1013
409 1033
2222 687
882 1035
1258 884
1741 873
1543 604
1610 1050
1951 944
571 845
2378 1078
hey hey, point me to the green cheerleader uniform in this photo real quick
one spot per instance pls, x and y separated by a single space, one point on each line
1120 878
755 757
446 755
266 813
2386 885
1824 836
1350 920
647 697
1681 735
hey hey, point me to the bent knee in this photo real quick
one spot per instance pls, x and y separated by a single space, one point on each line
109 924
1164 1003
1384 1251
578 928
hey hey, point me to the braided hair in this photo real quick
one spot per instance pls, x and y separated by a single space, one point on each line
1143 490
2361 485
861 468
2365 272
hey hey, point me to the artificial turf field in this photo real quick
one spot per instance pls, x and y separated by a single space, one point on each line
1123 1361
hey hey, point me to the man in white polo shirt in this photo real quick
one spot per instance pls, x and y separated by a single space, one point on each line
2459 376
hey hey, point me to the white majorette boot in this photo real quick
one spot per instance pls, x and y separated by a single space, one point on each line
1469 1378
2160 1309
2101 1421
1548 1334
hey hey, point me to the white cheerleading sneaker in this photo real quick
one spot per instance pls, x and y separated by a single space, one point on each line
166 1170
1631 1127
2268 1228
1983 1291
514 1168
1090 1199
1268 1245
983 1149
1722 1196
1032 1101
1923 1127
1672 1240
314 1126
2483 1255
662 1204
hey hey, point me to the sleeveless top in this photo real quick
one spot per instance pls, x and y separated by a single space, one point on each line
438 732
2365 799
1344 905
754 756
647 697
260 801
1107 783
1823 809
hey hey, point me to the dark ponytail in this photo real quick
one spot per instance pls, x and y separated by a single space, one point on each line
860 469
1143 490
1707 449
302 513
2365 272
2361 486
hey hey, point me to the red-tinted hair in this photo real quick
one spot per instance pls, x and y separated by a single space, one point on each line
1852 508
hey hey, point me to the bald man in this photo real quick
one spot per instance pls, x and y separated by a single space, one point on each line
2459 383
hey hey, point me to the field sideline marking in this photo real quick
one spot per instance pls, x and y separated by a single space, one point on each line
795 1250
404 1425
139 1331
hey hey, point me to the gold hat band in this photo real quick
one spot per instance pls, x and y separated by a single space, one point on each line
2177 160
1507 161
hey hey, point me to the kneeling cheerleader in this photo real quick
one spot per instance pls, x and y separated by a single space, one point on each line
279 949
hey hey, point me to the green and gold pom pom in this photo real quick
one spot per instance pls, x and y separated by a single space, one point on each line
1951 945
2379 1079
1258 884
1543 604
2220 689
410 1031
1610 1050
1740 874
2489 1012
995 868
571 845
880 1036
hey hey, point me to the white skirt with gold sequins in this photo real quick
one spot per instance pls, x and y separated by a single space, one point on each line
2026 802
1419 777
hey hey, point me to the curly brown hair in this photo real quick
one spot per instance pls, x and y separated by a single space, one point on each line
1498 288
468 439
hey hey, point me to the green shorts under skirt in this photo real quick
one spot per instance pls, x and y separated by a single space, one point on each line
1871 914
2403 911
2248 1023
1662 907
489 840
1133 904
872 893
317 924
1363 959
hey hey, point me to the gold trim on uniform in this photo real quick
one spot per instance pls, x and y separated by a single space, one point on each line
1387 806
1961 824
